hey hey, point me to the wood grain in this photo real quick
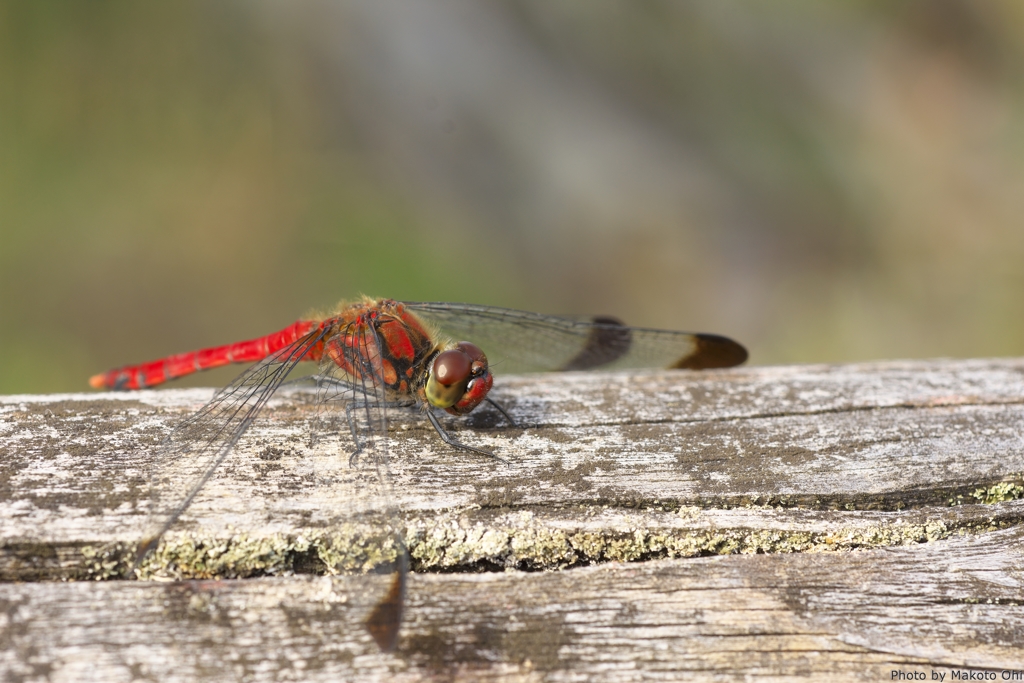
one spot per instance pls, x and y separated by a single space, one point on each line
791 521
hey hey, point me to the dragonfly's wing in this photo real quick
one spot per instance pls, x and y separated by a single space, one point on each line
191 454
188 457
519 341
353 391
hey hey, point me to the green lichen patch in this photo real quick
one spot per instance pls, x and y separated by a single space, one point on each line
347 549
1001 492
107 561
192 556
523 542
355 549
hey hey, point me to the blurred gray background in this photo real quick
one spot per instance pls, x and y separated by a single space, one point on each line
823 181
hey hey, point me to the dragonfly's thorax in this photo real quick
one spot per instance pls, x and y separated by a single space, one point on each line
381 339
382 342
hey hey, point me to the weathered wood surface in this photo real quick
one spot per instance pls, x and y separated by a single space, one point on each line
915 466
953 604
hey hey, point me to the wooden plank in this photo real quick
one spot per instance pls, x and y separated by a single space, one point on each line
952 605
918 466
676 455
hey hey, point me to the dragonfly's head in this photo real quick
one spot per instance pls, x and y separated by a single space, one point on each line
459 379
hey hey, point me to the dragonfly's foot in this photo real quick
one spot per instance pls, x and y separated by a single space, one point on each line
451 441
504 412
479 451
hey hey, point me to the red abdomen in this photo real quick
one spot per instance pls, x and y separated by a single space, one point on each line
159 371
350 341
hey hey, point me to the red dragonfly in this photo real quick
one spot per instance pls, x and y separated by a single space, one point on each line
376 355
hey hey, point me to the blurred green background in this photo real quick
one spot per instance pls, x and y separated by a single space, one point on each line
822 181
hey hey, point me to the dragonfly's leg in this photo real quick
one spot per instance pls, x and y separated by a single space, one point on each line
335 382
502 411
323 379
314 431
350 409
448 439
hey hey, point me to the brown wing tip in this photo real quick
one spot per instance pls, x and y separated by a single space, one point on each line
712 351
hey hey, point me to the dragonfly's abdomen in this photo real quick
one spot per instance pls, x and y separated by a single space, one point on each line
159 371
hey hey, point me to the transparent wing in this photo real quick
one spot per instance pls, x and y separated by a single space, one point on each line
352 395
190 455
354 492
520 341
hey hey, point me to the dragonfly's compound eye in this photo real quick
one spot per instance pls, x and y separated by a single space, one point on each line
453 367
476 355
449 377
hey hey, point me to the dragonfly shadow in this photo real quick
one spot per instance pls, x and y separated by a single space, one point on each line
489 418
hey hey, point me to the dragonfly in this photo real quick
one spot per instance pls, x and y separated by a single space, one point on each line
376 355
